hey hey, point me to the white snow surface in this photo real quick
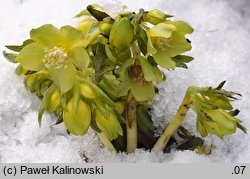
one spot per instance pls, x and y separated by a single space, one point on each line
221 49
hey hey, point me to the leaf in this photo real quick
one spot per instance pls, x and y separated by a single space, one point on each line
234 112
241 127
220 86
110 53
59 120
181 60
97 12
142 40
18 48
191 144
84 12
145 124
99 60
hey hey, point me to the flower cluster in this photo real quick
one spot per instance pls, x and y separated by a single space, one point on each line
103 74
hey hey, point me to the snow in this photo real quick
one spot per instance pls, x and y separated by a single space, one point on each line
220 47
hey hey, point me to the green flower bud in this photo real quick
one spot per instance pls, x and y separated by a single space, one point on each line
105 28
155 16
120 106
110 125
167 40
122 33
54 102
87 91
77 122
85 25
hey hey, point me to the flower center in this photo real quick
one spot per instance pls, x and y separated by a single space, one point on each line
161 42
56 58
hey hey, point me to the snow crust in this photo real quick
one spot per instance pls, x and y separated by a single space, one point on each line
221 50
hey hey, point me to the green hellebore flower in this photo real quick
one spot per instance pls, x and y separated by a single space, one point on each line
166 40
59 51
217 122
122 33
211 106
109 125
138 79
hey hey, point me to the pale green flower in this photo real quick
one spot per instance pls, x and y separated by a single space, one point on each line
167 39
60 51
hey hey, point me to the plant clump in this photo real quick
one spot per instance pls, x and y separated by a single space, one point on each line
103 74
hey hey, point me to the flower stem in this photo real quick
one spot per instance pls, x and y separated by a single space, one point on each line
174 123
131 123
106 142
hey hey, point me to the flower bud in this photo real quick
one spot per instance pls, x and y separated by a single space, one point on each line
77 122
54 102
155 16
110 125
105 28
85 25
87 91
120 106
122 33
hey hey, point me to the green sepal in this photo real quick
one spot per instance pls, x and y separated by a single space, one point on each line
151 73
11 57
141 92
181 60
18 48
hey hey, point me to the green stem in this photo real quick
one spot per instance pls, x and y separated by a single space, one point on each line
131 123
106 142
174 123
